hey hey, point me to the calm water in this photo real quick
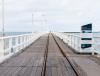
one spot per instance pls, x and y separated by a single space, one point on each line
14 33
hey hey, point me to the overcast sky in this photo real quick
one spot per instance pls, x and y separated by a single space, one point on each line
57 15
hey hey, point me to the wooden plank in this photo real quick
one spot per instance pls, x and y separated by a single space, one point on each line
48 71
33 73
54 71
38 71
9 71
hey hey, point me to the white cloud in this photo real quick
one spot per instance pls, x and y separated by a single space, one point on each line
73 13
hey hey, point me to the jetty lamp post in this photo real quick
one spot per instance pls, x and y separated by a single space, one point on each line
3 24
3 18
45 22
32 21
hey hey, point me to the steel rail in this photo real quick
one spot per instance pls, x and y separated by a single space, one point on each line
43 72
63 53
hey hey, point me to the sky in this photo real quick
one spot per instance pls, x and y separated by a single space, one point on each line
54 15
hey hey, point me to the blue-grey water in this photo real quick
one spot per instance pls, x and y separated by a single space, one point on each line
13 33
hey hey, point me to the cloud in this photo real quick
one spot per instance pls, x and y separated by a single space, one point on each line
60 14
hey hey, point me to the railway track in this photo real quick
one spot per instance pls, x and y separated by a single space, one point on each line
74 69
45 58
62 52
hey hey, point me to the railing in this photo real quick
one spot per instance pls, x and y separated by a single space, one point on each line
96 45
12 44
71 39
74 41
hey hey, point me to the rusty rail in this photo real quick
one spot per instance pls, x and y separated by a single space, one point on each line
45 58
70 63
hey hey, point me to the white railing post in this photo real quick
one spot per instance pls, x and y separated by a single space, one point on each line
2 51
11 45
92 45
74 41
16 44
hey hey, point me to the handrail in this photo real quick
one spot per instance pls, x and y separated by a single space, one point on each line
75 35
13 44
73 41
16 35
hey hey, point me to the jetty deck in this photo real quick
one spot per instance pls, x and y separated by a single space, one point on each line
49 56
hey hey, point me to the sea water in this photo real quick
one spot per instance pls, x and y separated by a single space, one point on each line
14 33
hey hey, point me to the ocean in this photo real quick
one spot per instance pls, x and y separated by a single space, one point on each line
14 33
